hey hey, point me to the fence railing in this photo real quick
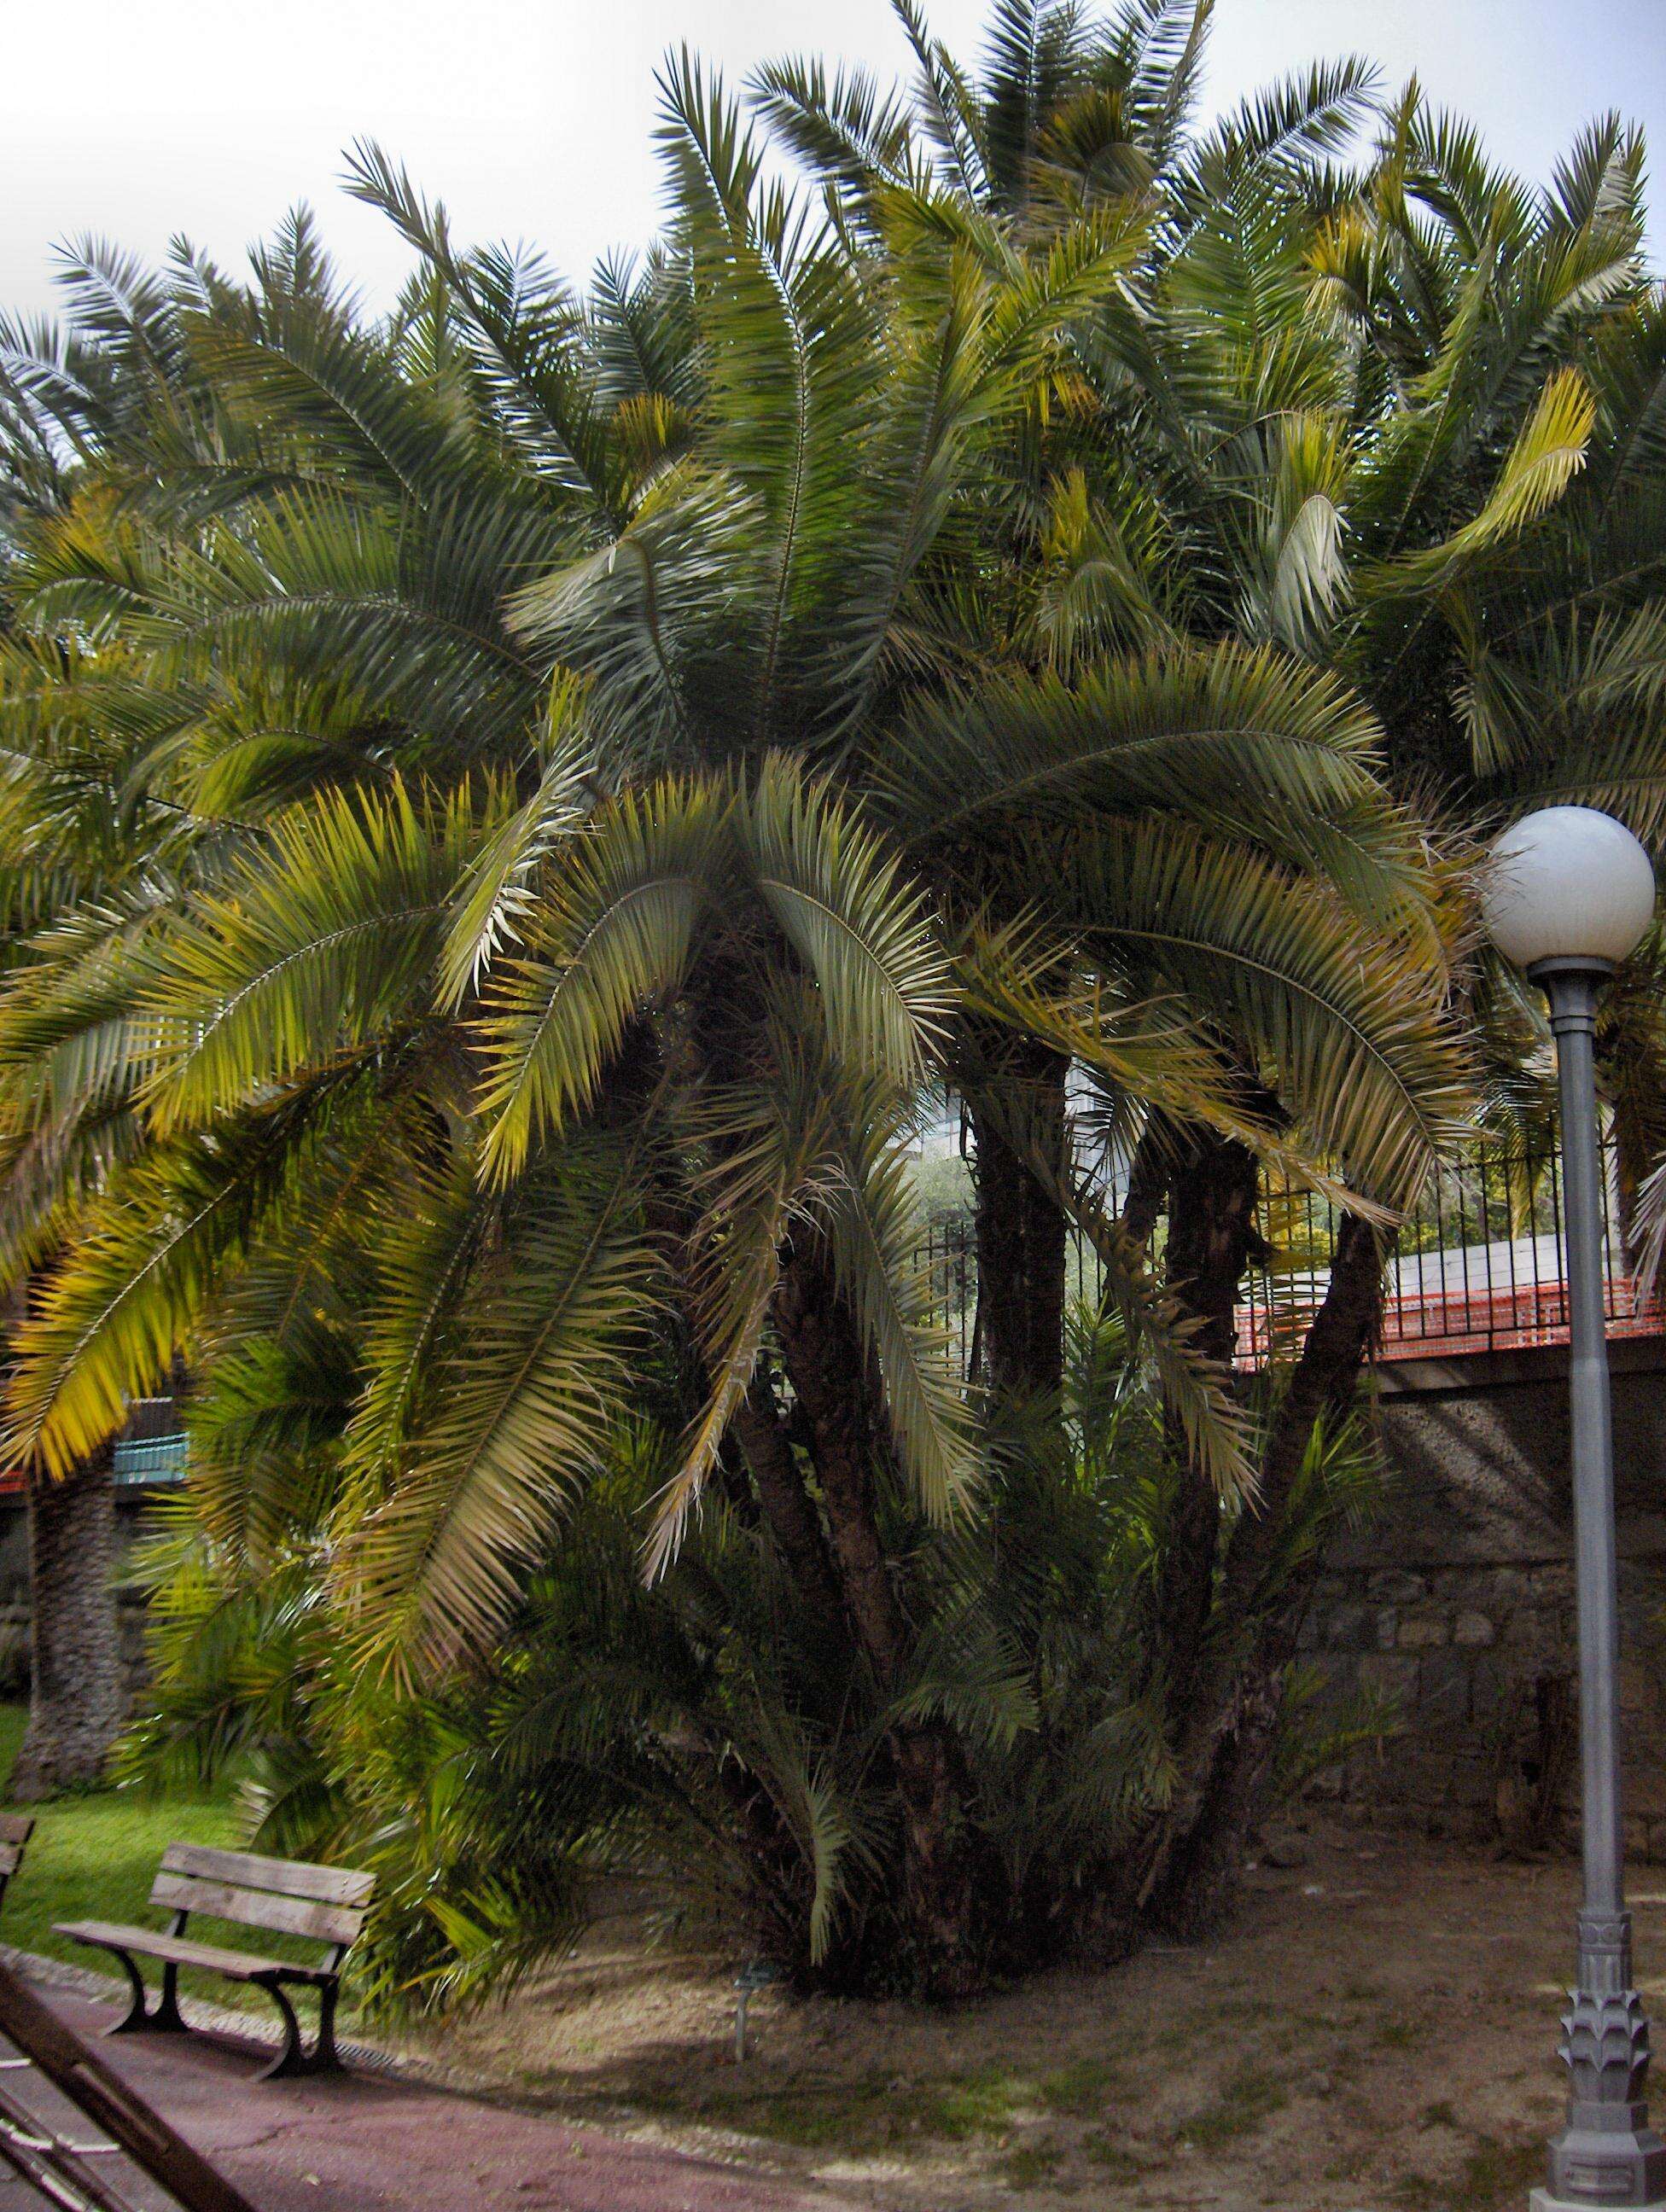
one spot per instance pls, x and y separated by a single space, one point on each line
151 1449
1480 1266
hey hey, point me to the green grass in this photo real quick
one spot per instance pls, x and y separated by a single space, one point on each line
1030 2167
878 2112
1081 2088
860 2116
93 1857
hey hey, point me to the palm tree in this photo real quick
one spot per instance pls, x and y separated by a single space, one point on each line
730 486
1412 421
318 538
1075 121
596 763
1399 420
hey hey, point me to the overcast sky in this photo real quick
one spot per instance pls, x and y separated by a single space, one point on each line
533 118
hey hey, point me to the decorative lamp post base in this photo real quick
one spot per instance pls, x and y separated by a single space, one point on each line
1607 2154
1542 2200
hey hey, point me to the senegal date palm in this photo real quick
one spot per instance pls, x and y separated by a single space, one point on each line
600 762
1397 419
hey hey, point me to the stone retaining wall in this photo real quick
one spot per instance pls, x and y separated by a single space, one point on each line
1456 1603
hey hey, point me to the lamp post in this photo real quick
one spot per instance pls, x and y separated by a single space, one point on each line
1568 893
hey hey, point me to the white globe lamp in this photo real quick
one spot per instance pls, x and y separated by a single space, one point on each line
1567 883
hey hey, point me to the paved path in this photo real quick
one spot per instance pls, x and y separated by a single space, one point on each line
360 2144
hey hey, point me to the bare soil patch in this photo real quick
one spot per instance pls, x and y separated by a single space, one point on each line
1375 2032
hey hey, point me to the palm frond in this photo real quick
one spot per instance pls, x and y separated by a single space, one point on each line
613 928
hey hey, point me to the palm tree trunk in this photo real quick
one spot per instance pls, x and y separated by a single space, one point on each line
78 1700
1212 1236
788 1513
1022 1238
1227 1751
948 1881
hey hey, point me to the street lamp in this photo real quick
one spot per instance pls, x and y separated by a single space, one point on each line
1567 894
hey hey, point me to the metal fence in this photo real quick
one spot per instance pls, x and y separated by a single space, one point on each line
150 1449
1480 1266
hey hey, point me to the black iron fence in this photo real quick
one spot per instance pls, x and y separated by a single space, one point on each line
1480 1266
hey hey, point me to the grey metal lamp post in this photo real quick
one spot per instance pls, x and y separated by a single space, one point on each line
1567 895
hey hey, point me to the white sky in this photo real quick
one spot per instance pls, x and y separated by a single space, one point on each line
533 118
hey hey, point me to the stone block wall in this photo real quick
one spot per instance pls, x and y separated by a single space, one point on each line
1455 1601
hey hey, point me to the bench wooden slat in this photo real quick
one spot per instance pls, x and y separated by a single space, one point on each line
258 1908
16 1828
11 1856
181 1951
280 1877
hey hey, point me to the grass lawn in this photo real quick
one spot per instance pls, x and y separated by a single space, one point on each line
95 1858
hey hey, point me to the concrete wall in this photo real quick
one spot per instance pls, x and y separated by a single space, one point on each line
1457 1599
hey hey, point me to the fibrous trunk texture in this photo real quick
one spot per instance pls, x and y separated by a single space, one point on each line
1231 1735
1022 1241
946 1876
77 1699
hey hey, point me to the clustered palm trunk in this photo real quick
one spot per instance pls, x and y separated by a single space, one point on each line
519 808
78 1690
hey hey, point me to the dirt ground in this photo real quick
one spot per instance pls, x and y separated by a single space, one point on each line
1375 2034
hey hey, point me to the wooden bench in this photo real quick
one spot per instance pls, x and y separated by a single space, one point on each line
326 1904
16 1829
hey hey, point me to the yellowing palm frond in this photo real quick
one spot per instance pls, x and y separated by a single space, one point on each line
533 1380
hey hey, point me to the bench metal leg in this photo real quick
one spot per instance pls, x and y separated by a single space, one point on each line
164 2018
325 2059
293 2057
137 2011
166 2014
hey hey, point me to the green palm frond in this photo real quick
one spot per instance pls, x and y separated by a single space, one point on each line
314 947
1249 743
527 333
950 115
1168 730
443 1229
498 893
846 127
869 1214
859 926
304 365
517 1421
762 1156
1369 1064
615 927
